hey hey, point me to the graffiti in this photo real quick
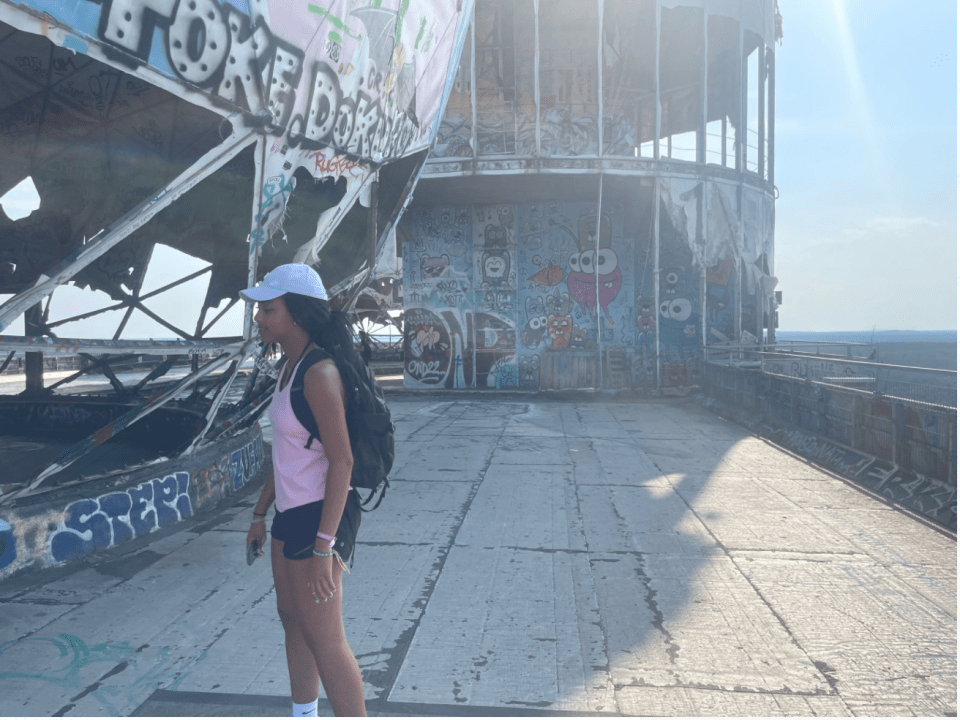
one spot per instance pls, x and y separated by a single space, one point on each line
560 330
645 315
427 346
88 524
223 51
820 450
590 266
99 523
503 373
814 369
548 276
78 656
434 267
336 166
562 134
8 544
529 369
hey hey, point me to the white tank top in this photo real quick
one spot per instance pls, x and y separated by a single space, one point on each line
300 474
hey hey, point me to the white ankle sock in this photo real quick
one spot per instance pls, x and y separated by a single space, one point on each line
305 709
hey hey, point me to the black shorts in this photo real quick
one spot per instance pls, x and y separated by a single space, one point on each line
297 528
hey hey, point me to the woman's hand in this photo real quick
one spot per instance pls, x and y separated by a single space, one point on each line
257 534
321 578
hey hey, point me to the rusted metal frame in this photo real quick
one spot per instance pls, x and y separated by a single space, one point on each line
149 313
90 314
159 371
182 280
26 19
253 257
111 429
220 394
702 131
536 72
596 263
656 264
761 103
473 83
702 241
233 301
131 306
130 222
739 140
771 114
74 346
104 366
658 109
123 322
599 87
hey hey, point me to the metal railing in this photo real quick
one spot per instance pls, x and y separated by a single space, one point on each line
868 406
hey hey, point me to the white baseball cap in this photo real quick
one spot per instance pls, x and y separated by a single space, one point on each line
293 278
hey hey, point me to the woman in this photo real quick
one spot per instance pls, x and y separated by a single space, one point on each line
311 486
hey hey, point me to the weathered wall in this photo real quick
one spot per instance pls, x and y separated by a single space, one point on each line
492 291
903 451
44 531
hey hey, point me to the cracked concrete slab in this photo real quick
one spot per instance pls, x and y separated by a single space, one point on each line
532 557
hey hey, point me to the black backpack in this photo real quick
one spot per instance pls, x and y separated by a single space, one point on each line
368 421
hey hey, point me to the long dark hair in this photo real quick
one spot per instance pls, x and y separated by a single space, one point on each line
327 328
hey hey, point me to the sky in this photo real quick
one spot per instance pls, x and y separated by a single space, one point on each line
866 170
866 165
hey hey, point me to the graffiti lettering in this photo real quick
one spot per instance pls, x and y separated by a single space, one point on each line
99 523
336 166
211 45
426 371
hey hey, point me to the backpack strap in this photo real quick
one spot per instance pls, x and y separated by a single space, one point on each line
298 401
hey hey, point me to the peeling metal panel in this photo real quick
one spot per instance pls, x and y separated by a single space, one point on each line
157 121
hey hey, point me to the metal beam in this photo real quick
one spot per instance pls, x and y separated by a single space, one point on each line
73 346
536 70
71 455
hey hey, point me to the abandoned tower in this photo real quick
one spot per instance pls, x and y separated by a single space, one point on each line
599 202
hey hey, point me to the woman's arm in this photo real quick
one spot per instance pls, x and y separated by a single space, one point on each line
324 393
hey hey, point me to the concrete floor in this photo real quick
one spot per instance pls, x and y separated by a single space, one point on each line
532 557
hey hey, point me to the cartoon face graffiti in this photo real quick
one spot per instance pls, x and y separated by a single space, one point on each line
580 338
530 371
433 267
582 281
645 314
495 267
558 304
534 306
560 330
495 236
671 281
678 309
532 334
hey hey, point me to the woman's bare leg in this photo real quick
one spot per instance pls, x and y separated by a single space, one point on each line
321 624
304 676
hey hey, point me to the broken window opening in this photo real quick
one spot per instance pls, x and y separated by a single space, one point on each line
21 200
723 90
752 45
